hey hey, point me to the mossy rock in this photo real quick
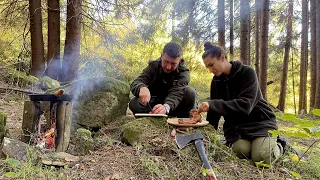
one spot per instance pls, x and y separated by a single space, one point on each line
141 130
48 83
3 121
99 101
20 78
158 149
81 142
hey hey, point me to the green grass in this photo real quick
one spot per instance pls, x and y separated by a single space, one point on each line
11 168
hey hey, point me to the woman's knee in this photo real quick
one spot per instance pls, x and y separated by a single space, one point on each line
265 149
242 148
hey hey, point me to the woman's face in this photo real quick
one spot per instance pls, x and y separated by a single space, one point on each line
215 65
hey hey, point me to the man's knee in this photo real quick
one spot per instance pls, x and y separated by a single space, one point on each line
134 105
190 92
242 148
190 96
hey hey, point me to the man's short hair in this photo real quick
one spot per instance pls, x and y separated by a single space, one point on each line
173 50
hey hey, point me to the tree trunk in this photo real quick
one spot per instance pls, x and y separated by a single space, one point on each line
37 55
257 36
173 16
53 56
303 58
245 31
317 98
264 47
221 24
313 50
282 99
70 64
293 84
231 30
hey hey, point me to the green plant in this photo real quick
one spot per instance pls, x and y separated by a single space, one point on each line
303 129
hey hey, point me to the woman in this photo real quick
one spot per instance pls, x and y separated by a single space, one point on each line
235 94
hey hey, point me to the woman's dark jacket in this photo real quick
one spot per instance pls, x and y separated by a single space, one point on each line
166 86
237 97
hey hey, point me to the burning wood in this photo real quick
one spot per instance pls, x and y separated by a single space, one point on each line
45 140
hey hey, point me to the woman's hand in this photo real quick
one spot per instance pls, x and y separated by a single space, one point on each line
203 107
144 95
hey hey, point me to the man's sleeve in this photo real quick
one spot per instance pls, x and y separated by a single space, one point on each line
177 91
244 103
143 80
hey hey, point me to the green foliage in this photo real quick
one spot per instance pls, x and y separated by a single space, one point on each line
12 168
295 174
316 112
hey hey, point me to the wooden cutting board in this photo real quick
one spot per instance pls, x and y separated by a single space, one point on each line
174 122
150 115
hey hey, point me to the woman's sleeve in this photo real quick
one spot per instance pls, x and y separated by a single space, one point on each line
212 117
244 103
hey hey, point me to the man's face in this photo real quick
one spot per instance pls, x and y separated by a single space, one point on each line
168 63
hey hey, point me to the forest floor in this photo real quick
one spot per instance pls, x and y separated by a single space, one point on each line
116 160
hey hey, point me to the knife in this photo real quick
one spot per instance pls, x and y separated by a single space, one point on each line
148 106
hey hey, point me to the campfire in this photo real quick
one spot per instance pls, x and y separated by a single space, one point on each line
47 120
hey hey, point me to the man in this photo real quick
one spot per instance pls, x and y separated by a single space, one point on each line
162 87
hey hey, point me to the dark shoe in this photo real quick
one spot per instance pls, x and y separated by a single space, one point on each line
286 148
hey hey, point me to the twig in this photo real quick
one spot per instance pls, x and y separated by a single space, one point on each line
306 151
20 90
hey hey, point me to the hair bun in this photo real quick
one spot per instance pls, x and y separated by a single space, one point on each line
208 45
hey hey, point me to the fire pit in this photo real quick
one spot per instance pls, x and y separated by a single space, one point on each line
46 121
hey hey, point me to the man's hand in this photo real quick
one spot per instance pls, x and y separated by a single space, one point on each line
203 107
144 95
158 109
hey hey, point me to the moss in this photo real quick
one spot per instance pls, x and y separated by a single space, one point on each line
101 102
48 83
140 131
82 141
3 121
20 78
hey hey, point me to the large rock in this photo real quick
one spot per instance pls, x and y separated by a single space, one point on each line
81 143
141 130
19 77
3 121
98 101
48 83
59 159
19 150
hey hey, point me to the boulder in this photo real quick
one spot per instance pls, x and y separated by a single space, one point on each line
98 101
59 159
81 143
3 121
19 150
48 83
141 130
19 77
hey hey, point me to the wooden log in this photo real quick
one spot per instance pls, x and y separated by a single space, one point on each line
31 114
61 111
45 108
67 126
63 126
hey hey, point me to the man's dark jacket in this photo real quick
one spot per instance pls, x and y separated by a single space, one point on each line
166 86
238 98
